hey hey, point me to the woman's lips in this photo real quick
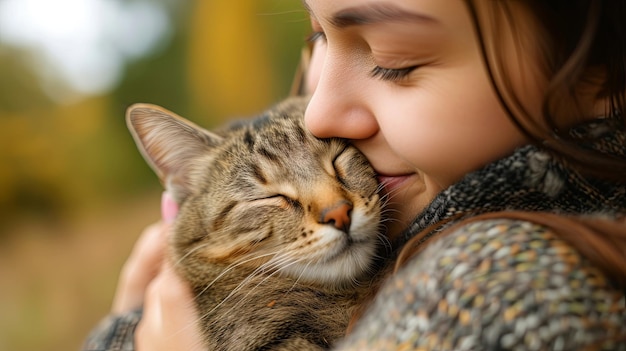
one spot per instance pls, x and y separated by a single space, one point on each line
392 183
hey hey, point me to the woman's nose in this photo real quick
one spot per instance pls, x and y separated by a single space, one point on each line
338 105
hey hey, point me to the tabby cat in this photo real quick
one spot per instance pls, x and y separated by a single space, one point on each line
278 231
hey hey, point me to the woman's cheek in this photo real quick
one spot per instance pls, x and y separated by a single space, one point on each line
447 131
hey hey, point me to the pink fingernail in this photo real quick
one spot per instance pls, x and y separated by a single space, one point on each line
169 207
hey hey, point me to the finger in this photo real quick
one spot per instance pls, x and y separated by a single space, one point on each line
170 319
141 267
145 260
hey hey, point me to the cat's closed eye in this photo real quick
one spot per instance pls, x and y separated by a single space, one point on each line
277 200
340 173
345 169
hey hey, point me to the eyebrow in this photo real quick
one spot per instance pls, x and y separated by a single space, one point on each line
374 13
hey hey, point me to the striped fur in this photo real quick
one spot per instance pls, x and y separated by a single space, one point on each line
278 231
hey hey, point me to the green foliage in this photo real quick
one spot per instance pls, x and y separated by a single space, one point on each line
20 88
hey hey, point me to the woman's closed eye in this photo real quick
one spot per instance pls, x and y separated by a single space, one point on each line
315 36
392 74
387 74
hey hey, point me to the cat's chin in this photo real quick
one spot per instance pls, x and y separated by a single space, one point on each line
349 261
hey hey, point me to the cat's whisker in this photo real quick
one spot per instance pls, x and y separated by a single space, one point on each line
267 266
388 195
385 241
386 222
195 249
210 312
276 264
379 188
262 269
387 199
270 265
388 213
233 266
299 277
243 298
281 262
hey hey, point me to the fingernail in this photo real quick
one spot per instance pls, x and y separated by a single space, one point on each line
169 207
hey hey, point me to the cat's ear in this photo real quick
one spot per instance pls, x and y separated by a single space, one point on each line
169 143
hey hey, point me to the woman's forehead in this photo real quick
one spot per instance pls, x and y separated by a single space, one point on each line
355 12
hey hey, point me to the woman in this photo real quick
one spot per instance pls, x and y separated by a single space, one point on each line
496 128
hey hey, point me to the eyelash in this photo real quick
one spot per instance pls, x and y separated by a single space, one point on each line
391 74
313 37
388 74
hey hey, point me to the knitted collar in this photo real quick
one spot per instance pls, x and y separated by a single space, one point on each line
532 179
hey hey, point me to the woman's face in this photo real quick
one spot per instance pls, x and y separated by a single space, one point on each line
405 81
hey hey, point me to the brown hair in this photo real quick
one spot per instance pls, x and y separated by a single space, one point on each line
585 40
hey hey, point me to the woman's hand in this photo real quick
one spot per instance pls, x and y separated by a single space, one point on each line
169 320
141 267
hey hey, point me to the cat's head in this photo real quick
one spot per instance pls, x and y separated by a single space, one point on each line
265 192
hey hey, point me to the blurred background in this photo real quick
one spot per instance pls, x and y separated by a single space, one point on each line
74 192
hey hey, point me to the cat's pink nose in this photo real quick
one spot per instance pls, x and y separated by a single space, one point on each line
338 215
